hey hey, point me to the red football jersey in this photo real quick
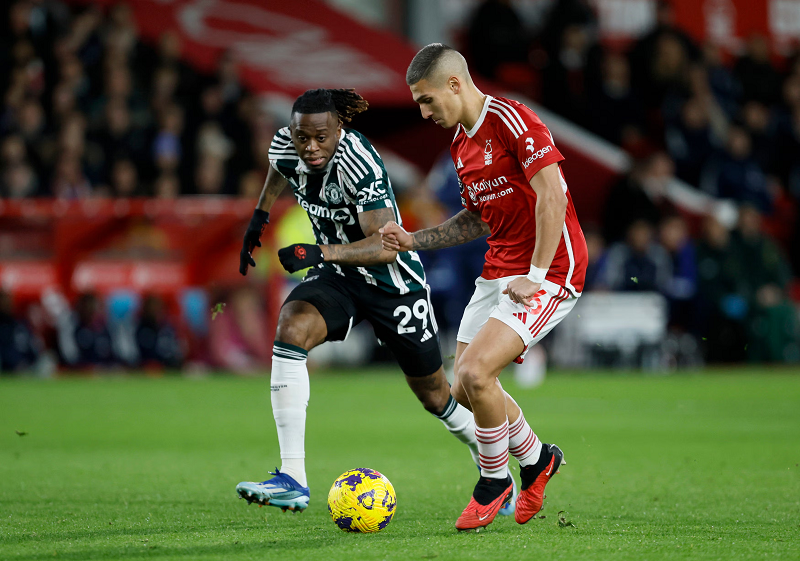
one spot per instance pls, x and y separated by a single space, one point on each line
495 161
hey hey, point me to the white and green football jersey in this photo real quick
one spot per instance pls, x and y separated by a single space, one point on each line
354 181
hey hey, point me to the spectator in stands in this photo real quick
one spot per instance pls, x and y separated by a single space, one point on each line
117 136
722 307
167 186
18 181
571 74
156 338
19 348
230 86
660 59
124 179
773 330
690 141
734 174
87 341
17 177
760 80
119 87
638 196
250 185
681 287
722 84
639 264
167 148
210 176
170 50
63 104
164 88
30 120
69 180
758 122
596 247
237 335
496 36
787 158
613 106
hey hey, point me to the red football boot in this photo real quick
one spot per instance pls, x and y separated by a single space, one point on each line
534 479
487 499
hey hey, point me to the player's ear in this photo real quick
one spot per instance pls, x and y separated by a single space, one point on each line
454 84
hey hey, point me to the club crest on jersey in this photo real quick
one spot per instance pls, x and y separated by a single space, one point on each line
333 193
487 152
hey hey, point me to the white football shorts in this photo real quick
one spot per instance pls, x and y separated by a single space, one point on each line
550 305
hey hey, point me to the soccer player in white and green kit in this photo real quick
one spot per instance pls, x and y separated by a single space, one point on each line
340 181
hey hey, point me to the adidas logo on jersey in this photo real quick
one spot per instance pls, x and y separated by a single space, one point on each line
459 165
425 336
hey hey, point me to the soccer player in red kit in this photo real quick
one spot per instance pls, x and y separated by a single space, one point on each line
513 189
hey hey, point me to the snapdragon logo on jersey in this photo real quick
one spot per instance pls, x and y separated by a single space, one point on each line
535 154
485 184
487 152
342 215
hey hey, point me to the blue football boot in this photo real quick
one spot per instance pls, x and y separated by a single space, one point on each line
509 508
281 491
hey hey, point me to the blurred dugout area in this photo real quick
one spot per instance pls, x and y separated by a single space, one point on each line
105 283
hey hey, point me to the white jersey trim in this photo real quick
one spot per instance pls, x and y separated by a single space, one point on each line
471 132
513 113
503 117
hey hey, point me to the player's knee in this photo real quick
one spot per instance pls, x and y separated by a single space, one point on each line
474 377
296 329
458 393
431 392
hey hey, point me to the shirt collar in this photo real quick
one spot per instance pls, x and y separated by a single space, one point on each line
471 132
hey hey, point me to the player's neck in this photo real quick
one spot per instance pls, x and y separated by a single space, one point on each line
473 107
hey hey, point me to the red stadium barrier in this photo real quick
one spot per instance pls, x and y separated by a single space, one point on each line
143 245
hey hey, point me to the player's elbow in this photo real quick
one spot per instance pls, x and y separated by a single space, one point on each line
557 201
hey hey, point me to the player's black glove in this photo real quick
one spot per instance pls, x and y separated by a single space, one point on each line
251 239
300 256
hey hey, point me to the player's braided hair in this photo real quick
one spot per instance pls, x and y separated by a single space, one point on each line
345 103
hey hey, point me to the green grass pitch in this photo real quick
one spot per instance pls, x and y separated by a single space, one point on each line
681 467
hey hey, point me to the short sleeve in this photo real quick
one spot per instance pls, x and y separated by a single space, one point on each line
527 137
281 147
364 174
372 192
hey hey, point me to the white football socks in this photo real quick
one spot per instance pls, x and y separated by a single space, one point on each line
493 449
290 391
522 442
461 424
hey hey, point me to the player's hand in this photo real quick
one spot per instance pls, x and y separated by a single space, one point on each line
252 239
522 290
300 256
395 238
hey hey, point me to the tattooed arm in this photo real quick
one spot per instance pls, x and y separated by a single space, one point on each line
461 228
368 251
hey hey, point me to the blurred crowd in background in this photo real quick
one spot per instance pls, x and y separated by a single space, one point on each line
90 110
